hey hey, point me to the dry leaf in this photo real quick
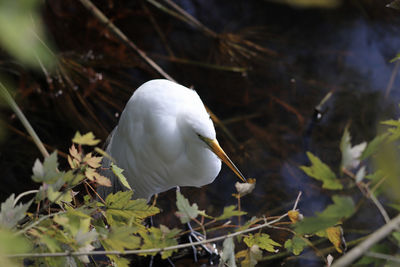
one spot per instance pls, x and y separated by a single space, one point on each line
295 216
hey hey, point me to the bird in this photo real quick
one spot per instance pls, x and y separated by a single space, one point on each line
165 138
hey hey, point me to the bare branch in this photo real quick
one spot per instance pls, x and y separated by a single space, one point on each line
141 251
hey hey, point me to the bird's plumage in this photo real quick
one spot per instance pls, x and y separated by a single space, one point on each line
157 140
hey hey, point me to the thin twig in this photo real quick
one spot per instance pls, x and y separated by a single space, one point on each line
380 207
142 251
10 101
38 221
24 194
365 189
192 19
374 238
297 200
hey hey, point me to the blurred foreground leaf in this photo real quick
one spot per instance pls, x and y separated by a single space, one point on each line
320 171
10 215
12 244
46 172
394 130
342 207
22 33
373 146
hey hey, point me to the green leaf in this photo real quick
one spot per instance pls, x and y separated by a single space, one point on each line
48 171
320 171
343 207
185 212
72 178
228 253
52 244
251 256
120 208
58 197
350 154
118 172
11 243
121 238
159 238
395 206
396 235
393 131
376 176
229 212
373 146
10 215
86 139
295 245
263 241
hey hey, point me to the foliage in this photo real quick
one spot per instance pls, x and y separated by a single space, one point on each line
185 212
342 207
320 171
295 245
117 223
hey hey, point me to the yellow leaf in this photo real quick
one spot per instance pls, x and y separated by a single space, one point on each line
74 153
295 216
86 139
335 235
93 162
73 163
92 175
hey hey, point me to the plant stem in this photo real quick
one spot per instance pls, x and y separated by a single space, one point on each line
10 101
138 251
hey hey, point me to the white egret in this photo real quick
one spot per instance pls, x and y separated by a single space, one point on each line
165 138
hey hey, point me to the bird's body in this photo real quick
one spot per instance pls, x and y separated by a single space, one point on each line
161 140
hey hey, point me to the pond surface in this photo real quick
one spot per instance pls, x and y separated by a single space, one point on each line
267 102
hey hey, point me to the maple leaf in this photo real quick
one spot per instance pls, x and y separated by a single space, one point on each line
185 212
86 139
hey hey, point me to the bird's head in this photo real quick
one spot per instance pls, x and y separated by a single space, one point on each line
200 129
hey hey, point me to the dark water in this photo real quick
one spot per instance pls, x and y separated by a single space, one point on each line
344 50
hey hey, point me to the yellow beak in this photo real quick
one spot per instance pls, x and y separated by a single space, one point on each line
215 147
